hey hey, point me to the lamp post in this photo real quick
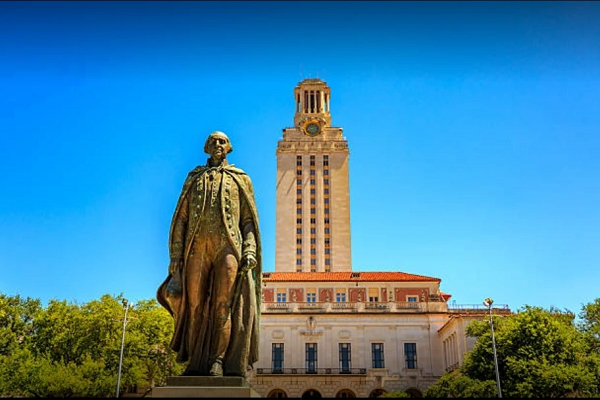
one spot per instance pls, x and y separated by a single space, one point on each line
488 303
126 306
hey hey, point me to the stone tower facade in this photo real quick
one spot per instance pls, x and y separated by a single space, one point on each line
312 229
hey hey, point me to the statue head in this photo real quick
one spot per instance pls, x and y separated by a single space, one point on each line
217 145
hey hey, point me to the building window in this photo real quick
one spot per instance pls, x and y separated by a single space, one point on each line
373 295
298 251
299 241
340 297
327 261
298 220
312 201
345 358
326 172
277 358
313 251
311 297
327 251
412 299
377 353
326 220
312 171
327 241
299 201
313 220
326 181
313 210
298 181
311 358
314 231
281 297
312 191
313 262
410 355
298 230
299 191
327 200
298 211
326 230
299 261
299 172
313 241
312 181
326 191
326 210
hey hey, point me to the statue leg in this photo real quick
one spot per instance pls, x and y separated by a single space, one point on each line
197 286
225 270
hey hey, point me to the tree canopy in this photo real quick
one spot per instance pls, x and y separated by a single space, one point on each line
541 353
66 349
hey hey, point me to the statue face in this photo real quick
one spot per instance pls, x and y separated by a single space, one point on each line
218 147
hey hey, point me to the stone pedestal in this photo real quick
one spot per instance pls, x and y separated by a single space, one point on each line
205 386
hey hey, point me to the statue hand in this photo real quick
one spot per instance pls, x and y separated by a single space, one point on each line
248 263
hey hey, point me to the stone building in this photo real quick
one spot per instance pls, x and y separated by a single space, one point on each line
326 330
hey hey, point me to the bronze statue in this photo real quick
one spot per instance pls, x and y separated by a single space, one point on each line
213 290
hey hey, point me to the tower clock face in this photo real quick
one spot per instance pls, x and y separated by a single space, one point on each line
312 129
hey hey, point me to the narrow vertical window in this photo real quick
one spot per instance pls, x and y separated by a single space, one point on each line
311 358
345 358
377 354
277 358
410 355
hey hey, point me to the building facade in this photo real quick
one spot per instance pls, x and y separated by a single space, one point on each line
326 330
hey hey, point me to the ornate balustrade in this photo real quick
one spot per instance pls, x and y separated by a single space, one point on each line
354 307
311 371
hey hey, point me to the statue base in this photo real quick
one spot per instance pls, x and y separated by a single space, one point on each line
205 386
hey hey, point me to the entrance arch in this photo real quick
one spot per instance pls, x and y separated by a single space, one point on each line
277 393
311 394
346 394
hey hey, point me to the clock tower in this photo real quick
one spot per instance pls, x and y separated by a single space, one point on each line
313 199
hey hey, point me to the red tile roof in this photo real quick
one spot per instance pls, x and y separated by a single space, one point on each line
345 277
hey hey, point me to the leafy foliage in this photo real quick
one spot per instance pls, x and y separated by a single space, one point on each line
541 353
66 350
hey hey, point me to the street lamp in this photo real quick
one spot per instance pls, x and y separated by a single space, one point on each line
126 306
488 303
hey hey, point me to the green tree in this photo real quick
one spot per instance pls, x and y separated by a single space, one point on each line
66 349
541 353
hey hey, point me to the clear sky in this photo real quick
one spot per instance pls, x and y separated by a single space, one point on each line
474 135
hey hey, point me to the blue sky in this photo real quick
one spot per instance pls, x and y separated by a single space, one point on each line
473 131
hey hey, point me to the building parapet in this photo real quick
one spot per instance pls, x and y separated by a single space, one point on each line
354 307
311 371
